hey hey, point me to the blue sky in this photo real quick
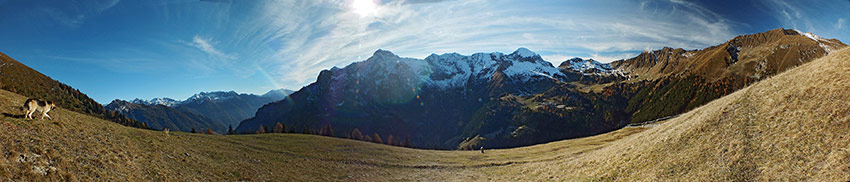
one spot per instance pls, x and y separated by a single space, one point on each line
121 49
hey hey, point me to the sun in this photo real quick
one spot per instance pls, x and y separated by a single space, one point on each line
364 7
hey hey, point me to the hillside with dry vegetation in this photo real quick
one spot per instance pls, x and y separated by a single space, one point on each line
21 79
791 127
670 81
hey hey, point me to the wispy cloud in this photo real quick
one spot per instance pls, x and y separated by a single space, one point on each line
206 45
840 23
72 14
792 14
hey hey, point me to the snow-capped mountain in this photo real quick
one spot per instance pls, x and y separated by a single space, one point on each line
224 108
436 99
213 96
829 45
210 96
588 66
157 101
451 70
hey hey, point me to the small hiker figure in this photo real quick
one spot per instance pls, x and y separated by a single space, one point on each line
482 149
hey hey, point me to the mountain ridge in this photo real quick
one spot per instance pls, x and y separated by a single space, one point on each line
520 99
407 92
216 110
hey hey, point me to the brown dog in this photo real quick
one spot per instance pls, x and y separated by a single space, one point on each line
32 105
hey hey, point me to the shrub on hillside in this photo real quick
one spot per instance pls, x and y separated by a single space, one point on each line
279 128
326 130
261 130
355 134
377 138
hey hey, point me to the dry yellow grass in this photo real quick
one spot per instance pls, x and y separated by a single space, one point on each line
75 147
793 127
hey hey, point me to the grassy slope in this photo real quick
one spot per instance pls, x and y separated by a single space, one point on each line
790 127
86 148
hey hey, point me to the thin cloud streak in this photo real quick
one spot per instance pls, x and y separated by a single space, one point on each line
204 45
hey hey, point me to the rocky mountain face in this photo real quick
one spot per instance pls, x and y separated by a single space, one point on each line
21 79
671 81
214 110
443 100
506 100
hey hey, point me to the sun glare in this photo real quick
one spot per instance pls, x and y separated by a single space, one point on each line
364 7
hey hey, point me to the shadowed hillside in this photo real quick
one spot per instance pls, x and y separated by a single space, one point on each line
159 117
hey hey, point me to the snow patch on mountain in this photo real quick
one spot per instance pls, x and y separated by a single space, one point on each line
157 101
819 40
522 51
216 96
526 71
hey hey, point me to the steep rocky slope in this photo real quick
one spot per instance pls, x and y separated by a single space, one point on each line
671 81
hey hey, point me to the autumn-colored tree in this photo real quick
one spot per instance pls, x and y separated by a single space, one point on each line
355 134
367 138
407 142
210 132
261 130
326 130
279 128
390 140
377 138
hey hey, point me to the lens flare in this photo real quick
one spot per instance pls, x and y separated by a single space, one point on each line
364 8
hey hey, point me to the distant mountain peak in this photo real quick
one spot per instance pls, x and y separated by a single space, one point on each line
588 66
383 54
828 45
156 101
216 95
278 94
524 52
